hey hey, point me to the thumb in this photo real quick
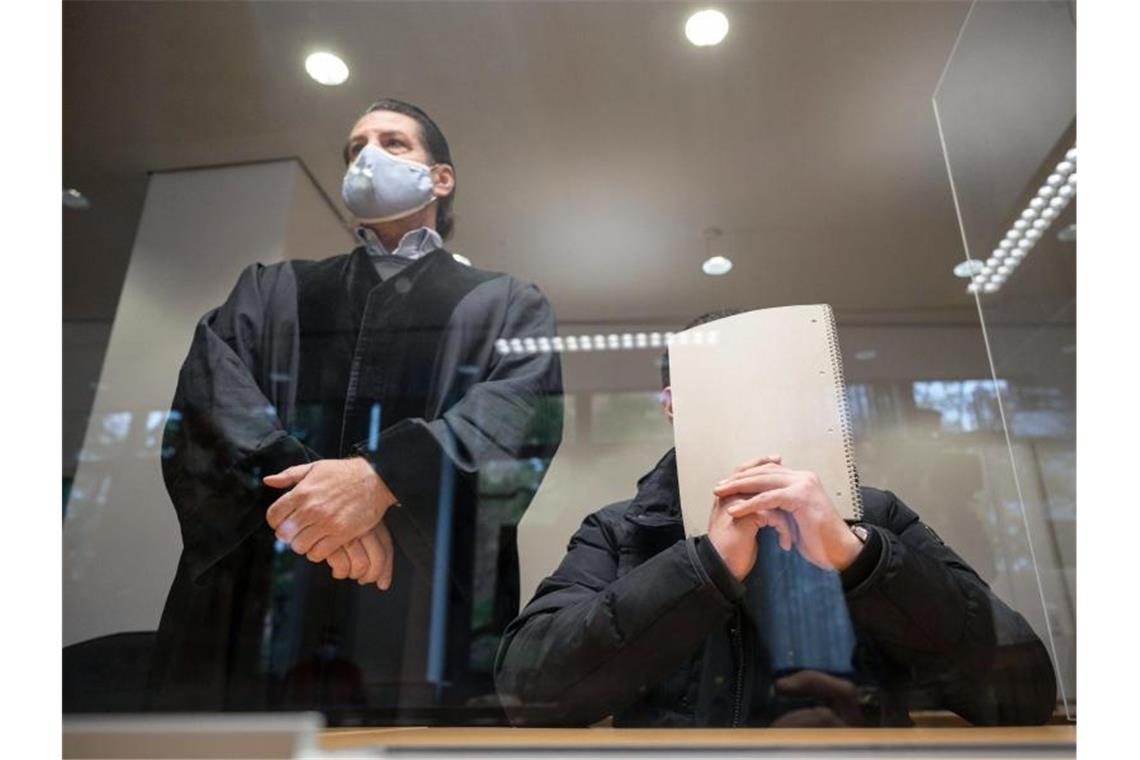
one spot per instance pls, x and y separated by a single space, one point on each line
289 476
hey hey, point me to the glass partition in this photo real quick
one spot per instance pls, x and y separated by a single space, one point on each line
369 399
1006 108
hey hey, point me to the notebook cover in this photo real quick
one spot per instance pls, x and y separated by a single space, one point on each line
768 381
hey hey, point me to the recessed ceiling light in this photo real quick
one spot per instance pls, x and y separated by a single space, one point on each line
716 265
72 198
707 27
326 68
1068 234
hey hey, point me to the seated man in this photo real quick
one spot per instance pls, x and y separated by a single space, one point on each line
656 629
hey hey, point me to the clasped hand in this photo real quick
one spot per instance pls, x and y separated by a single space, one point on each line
762 492
334 513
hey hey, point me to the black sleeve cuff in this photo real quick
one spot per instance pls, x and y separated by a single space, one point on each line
714 566
235 512
864 564
410 460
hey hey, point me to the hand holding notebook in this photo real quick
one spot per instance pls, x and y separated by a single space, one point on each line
766 381
796 504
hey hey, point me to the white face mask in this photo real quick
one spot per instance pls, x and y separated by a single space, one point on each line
379 187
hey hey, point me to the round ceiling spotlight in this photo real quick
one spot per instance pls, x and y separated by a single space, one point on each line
716 266
707 27
326 68
72 198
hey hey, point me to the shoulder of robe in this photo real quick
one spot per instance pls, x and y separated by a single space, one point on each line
461 266
516 291
483 285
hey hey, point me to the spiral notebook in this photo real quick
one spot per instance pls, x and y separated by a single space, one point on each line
768 381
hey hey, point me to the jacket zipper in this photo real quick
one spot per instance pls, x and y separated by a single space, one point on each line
739 645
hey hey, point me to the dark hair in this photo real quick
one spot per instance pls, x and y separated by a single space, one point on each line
437 148
704 319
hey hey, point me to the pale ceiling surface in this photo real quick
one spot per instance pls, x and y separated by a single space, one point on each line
593 144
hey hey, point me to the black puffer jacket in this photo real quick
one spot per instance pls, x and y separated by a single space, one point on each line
643 624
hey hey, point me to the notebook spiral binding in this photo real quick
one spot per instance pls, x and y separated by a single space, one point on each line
844 415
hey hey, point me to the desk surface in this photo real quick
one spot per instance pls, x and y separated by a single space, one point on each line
1058 738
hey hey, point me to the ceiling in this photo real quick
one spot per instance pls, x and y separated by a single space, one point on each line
592 143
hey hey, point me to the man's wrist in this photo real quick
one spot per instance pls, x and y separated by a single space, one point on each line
725 557
851 546
726 581
867 560
384 496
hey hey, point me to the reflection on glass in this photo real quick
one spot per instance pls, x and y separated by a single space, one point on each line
609 232
966 406
1010 150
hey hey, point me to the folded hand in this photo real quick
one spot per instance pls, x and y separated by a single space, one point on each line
331 503
367 559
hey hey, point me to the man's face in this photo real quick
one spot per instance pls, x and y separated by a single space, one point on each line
394 132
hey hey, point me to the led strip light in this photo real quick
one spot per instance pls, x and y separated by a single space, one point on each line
1051 199
612 342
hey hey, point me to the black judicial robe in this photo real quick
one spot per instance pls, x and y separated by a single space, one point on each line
320 359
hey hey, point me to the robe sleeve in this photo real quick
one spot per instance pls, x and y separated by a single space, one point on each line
513 412
224 433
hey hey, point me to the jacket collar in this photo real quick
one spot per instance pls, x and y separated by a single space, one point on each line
658 500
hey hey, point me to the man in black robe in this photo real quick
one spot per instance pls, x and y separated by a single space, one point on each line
330 425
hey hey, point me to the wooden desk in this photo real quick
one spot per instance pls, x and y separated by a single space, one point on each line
1037 741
